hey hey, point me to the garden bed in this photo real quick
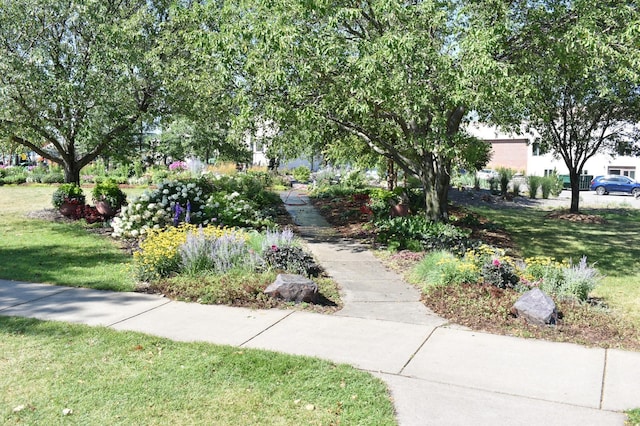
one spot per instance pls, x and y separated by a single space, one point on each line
487 308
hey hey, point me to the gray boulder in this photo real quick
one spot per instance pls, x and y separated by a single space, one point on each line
293 288
536 307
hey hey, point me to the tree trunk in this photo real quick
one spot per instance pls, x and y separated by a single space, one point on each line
574 178
435 185
71 172
392 175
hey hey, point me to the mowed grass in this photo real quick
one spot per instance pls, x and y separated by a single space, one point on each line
614 248
55 252
106 378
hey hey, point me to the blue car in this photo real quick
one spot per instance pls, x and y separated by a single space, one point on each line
615 183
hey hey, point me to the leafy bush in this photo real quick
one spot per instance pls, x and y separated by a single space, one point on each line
505 177
380 201
551 185
15 179
579 280
109 191
169 204
442 268
533 182
291 259
53 177
499 273
301 174
417 233
230 201
354 179
564 280
66 192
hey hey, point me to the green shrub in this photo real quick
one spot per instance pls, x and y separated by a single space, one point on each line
380 201
15 179
109 191
417 232
301 174
551 185
291 259
579 280
65 192
505 177
564 280
53 177
441 268
231 201
533 182
354 179
499 273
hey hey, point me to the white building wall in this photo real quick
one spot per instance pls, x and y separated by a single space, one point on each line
539 165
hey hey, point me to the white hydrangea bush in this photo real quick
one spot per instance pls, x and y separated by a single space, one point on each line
171 203
215 202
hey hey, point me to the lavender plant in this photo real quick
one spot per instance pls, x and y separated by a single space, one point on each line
217 253
579 280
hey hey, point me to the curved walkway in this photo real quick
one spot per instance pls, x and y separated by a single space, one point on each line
438 374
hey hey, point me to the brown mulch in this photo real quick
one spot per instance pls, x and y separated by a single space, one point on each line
487 308
576 217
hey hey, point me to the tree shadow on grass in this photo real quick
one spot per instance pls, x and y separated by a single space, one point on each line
613 246
47 264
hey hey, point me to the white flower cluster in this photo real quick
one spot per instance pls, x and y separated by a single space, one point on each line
170 203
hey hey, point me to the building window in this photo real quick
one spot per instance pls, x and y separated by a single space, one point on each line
623 171
535 147
538 149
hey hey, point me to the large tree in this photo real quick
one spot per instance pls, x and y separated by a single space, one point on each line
77 76
400 76
581 60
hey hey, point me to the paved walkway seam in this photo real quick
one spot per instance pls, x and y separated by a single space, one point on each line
424 342
169 301
604 377
266 329
35 300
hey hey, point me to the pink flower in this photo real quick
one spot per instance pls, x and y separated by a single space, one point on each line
274 247
496 262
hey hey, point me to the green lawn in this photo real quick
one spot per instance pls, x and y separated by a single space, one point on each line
614 247
57 253
107 377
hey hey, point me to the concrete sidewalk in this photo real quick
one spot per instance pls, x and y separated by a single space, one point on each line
438 374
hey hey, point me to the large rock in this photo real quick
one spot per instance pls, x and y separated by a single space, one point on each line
536 307
293 288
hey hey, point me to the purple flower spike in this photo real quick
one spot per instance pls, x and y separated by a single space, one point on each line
187 216
176 216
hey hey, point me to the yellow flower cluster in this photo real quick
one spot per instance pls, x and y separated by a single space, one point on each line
159 251
539 260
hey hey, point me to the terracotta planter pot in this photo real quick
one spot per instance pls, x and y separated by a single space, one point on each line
67 209
105 209
399 210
